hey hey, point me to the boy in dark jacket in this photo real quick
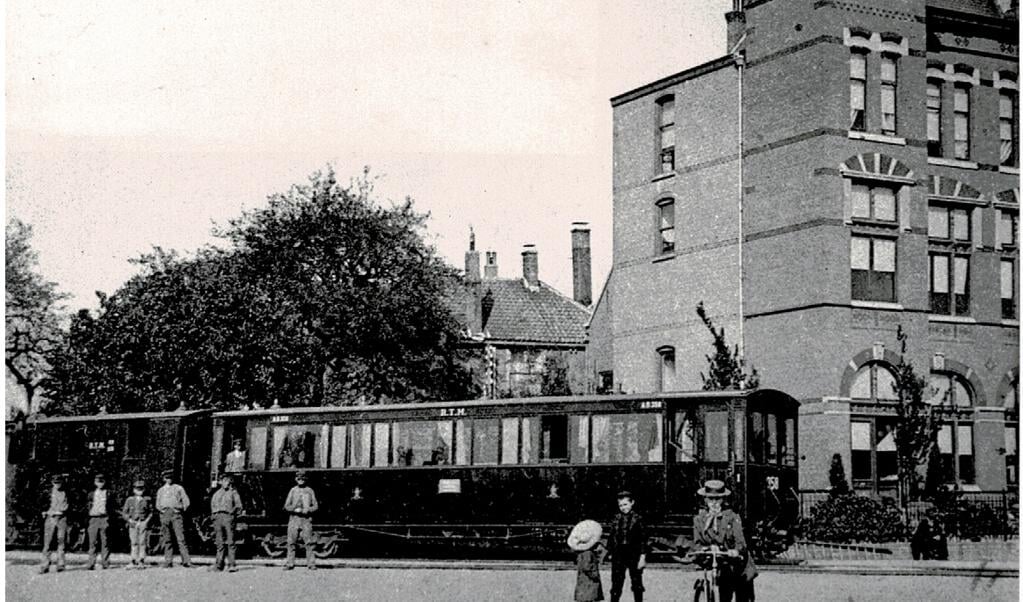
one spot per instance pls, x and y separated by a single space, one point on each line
627 546
137 511
100 507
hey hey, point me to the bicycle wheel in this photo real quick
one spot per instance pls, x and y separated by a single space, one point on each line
703 592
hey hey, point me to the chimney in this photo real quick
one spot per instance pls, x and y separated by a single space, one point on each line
581 286
736 23
530 266
490 268
472 259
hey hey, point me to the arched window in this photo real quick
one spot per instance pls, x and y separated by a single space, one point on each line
950 389
665 226
666 368
874 382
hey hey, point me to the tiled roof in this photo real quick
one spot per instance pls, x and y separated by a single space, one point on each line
987 8
542 315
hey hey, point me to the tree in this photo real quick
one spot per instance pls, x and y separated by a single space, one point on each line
727 369
323 296
836 476
33 313
554 380
916 424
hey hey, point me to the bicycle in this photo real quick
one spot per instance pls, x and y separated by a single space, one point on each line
706 588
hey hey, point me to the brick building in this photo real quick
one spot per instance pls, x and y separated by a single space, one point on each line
530 338
845 169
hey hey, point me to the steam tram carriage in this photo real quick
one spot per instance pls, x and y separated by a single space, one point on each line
501 474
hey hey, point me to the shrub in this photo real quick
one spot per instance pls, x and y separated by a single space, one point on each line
853 518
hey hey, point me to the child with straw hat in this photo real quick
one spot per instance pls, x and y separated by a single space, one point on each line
585 541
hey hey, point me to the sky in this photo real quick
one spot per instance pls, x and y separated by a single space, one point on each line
132 125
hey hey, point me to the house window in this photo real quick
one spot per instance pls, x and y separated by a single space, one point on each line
950 389
950 284
961 121
955 449
667 368
1008 278
873 202
948 223
1012 455
607 380
666 133
1007 129
873 269
874 453
934 117
888 81
1007 228
874 382
858 90
666 226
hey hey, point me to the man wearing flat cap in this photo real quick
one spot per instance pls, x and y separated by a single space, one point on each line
137 511
627 545
721 529
171 503
225 506
100 507
300 504
55 523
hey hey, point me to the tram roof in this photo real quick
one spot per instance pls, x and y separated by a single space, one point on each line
518 401
108 417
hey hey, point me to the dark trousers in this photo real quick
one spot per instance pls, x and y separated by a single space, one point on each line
98 539
304 525
738 585
223 532
618 578
169 520
55 527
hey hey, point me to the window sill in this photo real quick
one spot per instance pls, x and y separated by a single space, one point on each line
881 223
952 163
1008 322
877 305
951 319
663 176
1009 170
664 257
882 138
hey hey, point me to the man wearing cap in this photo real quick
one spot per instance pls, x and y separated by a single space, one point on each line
55 524
225 505
100 506
235 461
627 545
721 529
300 504
171 502
137 511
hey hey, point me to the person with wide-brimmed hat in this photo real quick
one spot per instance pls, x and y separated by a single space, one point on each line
720 529
584 540
300 504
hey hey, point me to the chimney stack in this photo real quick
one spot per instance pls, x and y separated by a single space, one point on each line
736 23
582 290
490 267
530 266
472 259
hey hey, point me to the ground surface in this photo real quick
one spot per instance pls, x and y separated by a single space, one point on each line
410 584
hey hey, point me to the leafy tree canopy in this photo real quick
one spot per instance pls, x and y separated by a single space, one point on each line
323 296
33 313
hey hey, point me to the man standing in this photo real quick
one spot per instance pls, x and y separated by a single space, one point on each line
627 546
300 504
235 461
100 507
171 502
137 511
55 524
225 505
